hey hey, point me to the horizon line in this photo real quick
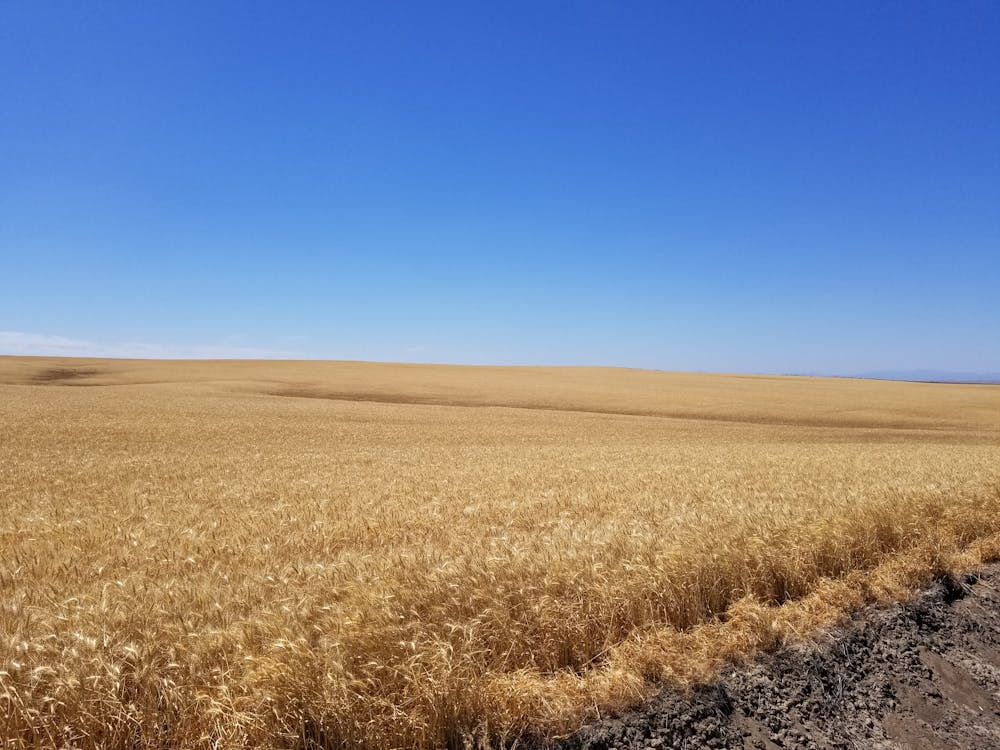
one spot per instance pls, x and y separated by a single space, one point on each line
931 377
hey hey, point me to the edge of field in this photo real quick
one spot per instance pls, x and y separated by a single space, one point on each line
695 659
923 673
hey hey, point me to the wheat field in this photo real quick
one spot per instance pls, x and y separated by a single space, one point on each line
333 554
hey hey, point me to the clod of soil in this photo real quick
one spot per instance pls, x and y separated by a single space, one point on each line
923 674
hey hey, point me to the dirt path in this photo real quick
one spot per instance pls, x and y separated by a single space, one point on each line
925 674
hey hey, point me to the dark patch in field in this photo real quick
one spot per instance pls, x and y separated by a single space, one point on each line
62 374
922 675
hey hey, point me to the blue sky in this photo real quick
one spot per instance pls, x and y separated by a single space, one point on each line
753 187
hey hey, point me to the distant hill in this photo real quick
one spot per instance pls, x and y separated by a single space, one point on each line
932 376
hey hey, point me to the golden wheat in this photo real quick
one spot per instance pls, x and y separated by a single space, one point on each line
265 554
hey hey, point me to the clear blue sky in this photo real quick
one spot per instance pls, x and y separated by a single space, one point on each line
756 187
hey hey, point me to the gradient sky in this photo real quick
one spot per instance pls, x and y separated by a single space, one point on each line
753 187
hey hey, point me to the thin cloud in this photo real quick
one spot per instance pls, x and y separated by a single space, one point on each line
44 345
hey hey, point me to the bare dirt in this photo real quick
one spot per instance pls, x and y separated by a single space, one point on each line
923 674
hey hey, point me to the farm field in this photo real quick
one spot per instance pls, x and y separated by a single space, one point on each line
237 554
